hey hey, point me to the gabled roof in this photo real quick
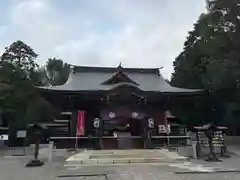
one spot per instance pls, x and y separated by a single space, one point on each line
100 78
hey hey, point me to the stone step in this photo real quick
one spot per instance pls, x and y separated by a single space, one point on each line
125 157
116 155
127 152
123 151
122 161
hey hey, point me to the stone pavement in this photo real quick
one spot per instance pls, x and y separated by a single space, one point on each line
147 172
12 168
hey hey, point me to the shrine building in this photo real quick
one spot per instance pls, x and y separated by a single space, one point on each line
111 107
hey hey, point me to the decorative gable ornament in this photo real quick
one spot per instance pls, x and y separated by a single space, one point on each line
119 77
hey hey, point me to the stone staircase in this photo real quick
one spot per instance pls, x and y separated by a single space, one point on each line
104 157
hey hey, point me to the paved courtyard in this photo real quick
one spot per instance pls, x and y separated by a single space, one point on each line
12 168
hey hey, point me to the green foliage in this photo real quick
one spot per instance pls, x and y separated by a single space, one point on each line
211 55
19 74
56 71
22 56
38 105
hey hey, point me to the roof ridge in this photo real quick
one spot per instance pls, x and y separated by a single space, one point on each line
113 69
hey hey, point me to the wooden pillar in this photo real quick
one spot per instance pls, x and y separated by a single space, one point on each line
145 134
198 145
101 134
73 119
98 129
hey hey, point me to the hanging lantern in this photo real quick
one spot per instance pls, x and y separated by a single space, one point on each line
115 134
96 122
161 129
150 123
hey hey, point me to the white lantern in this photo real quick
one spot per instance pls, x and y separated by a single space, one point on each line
150 123
161 128
96 122
115 134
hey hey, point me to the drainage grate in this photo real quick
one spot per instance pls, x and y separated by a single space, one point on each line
82 176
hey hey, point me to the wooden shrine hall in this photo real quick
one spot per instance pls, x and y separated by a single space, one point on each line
111 107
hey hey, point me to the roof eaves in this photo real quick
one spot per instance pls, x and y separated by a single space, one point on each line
185 92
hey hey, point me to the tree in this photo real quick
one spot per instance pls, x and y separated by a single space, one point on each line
211 51
211 55
56 71
19 74
22 56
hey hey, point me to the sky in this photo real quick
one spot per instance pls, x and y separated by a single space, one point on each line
137 33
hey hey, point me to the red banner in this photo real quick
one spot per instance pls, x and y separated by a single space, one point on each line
80 123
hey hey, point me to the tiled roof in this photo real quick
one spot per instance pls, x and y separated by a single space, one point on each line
93 78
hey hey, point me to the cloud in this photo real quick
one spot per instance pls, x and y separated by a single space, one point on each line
3 30
147 39
35 22
137 33
29 13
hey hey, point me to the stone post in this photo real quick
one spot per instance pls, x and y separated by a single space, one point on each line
50 149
